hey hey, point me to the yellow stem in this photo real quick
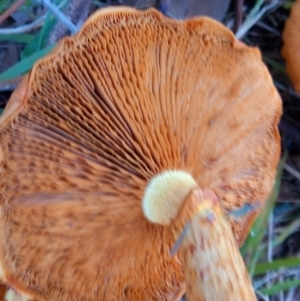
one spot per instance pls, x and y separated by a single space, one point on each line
214 269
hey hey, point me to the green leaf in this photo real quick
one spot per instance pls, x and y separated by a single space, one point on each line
4 4
288 4
265 267
291 228
39 40
24 65
274 64
42 36
45 31
283 286
254 11
17 38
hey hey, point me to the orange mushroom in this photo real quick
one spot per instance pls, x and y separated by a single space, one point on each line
290 50
132 95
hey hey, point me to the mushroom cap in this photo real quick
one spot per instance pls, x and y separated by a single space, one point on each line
132 95
291 47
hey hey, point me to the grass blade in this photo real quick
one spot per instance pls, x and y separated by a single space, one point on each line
265 267
25 65
251 247
283 286
17 38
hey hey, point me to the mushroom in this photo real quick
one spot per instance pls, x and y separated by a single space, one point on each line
213 267
131 96
290 49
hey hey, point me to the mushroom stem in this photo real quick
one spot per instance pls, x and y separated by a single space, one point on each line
11 295
213 267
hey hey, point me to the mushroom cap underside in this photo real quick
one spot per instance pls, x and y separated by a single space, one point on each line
291 46
132 95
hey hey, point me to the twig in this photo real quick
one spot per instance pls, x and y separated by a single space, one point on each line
252 21
60 16
238 15
179 241
288 90
28 27
281 293
76 11
284 273
11 10
292 292
25 28
270 247
269 28
292 171
11 84
270 236
163 7
261 295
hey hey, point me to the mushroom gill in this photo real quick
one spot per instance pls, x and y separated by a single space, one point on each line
132 95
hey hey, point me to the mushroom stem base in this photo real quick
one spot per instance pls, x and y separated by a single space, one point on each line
213 267
11 295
